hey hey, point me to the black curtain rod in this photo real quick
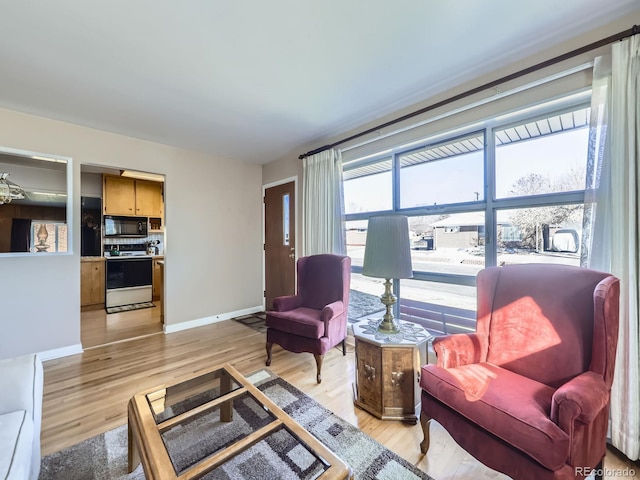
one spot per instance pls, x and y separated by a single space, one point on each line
547 63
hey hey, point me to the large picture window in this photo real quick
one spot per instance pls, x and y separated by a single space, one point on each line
509 192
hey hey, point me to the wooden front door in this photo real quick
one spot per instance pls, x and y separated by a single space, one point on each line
280 242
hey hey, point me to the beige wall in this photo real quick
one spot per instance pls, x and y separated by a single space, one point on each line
281 169
213 238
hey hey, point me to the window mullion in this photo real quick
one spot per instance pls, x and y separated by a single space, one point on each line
491 226
395 176
395 166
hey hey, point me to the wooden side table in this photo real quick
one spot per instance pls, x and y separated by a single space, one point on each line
388 369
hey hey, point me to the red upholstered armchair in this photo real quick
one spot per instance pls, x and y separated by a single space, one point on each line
528 393
315 319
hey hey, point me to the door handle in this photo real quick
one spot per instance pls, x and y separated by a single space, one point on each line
292 255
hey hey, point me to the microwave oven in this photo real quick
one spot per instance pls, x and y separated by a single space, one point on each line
125 226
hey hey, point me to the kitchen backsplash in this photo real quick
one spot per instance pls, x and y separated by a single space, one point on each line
143 241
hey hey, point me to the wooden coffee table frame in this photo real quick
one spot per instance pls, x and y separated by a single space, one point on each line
147 447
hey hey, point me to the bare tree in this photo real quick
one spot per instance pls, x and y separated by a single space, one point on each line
531 221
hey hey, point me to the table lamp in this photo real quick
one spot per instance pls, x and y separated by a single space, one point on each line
387 255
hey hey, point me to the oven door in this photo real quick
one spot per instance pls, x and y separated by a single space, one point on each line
129 272
128 281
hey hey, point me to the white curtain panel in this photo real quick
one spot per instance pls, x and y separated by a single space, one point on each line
595 251
323 209
625 244
611 227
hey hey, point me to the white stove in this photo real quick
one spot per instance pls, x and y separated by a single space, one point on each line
129 275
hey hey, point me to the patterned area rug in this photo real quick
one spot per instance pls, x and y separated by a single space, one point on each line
362 304
104 457
133 306
255 321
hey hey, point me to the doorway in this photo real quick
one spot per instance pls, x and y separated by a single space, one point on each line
128 319
280 240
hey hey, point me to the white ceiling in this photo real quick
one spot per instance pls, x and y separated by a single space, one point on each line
255 80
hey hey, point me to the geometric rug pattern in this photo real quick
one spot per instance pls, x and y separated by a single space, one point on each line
367 458
104 457
255 321
126 308
362 304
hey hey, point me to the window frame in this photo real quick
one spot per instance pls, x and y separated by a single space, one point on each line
490 204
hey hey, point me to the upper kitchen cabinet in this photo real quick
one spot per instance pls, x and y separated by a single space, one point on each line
119 195
148 198
128 196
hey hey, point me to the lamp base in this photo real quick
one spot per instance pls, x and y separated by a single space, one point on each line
388 325
41 247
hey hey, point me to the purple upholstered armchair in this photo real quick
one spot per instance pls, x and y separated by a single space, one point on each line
528 393
315 319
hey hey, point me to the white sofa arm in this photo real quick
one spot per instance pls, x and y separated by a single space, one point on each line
21 384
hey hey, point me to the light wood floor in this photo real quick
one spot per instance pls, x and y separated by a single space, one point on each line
99 328
87 394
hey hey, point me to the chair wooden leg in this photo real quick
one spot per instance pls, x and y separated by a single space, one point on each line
344 347
319 359
425 420
268 346
600 470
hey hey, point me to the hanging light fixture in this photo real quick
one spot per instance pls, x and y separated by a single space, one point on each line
9 190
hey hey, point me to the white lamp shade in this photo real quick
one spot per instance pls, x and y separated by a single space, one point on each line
387 253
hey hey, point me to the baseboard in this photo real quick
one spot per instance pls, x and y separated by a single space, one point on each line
200 322
60 352
89 308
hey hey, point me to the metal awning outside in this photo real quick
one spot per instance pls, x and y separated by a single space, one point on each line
473 143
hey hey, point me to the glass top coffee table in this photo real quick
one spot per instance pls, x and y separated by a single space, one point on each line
219 425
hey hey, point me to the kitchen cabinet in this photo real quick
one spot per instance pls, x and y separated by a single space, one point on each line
92 288
129 196
119 195
148 198
157 277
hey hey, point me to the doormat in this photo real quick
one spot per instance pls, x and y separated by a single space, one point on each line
126 308
255 321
